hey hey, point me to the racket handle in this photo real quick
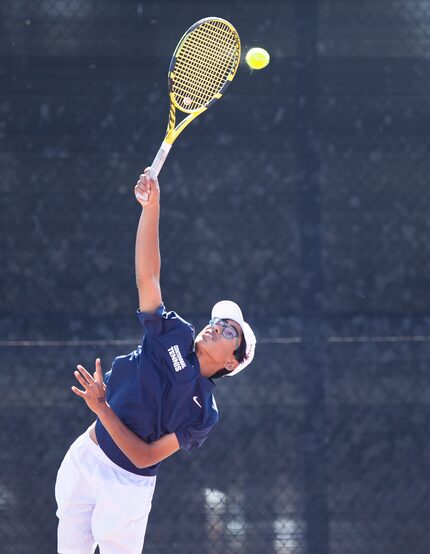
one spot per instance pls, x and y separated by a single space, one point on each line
160 158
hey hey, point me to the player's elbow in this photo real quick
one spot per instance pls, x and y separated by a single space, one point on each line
142 461
148 287
148 280
149 295
140 465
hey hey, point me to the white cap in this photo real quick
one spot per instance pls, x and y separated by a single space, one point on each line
226 309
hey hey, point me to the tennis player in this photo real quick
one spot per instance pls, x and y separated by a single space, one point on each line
154 401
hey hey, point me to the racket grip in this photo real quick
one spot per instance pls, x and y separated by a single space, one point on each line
160 158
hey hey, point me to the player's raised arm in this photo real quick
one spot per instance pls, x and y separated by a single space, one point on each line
147 254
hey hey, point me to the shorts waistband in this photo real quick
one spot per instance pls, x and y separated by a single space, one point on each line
101 456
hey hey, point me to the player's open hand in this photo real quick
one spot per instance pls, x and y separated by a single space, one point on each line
94 387
147 189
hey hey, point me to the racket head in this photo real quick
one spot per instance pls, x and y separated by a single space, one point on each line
203 64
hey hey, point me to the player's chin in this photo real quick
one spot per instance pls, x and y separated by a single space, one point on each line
201 339
204 343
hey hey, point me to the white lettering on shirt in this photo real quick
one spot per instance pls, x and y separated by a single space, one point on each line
176 356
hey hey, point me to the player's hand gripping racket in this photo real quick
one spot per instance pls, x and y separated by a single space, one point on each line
203 65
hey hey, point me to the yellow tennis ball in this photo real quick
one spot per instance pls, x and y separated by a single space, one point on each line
257 58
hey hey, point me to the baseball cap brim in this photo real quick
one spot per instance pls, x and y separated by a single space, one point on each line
226 309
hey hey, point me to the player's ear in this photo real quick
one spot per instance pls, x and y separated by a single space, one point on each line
231 364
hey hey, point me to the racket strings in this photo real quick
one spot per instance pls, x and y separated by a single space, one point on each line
216 52
205 60
204 83
205 80
202 88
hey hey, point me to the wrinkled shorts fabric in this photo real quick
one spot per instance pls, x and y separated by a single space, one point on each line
99 503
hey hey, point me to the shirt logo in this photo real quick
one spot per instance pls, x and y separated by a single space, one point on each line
196 401
177 359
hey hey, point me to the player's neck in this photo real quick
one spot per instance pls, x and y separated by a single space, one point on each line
207 366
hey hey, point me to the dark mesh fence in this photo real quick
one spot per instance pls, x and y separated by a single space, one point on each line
303 195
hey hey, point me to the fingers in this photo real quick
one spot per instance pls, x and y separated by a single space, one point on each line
146 184
142 188
84 373
82 381
151 175
78 392
98 375
148 178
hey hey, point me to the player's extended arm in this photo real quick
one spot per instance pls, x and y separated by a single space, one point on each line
147 255
140 453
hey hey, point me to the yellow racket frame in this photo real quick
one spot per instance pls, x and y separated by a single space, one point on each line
203 65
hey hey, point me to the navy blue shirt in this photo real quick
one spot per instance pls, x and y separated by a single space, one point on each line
157 389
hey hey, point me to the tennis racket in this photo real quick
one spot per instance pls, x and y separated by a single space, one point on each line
203 65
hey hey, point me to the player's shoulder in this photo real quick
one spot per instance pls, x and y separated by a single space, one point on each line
177 333
178 320
164 322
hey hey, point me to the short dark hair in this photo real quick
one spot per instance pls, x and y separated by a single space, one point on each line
239 354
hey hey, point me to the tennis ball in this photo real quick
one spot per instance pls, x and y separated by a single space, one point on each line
257 58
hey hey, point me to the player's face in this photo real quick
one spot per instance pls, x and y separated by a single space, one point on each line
219 339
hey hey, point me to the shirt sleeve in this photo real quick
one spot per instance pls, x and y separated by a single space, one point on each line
192 437
107 376
161 322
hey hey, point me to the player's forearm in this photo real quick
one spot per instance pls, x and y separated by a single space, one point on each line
136 449
148 259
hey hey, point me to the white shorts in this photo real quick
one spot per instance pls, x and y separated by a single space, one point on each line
99 503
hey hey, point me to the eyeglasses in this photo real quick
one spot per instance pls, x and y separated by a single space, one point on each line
227 331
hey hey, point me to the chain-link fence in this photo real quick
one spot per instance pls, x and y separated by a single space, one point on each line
311 455
303 195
